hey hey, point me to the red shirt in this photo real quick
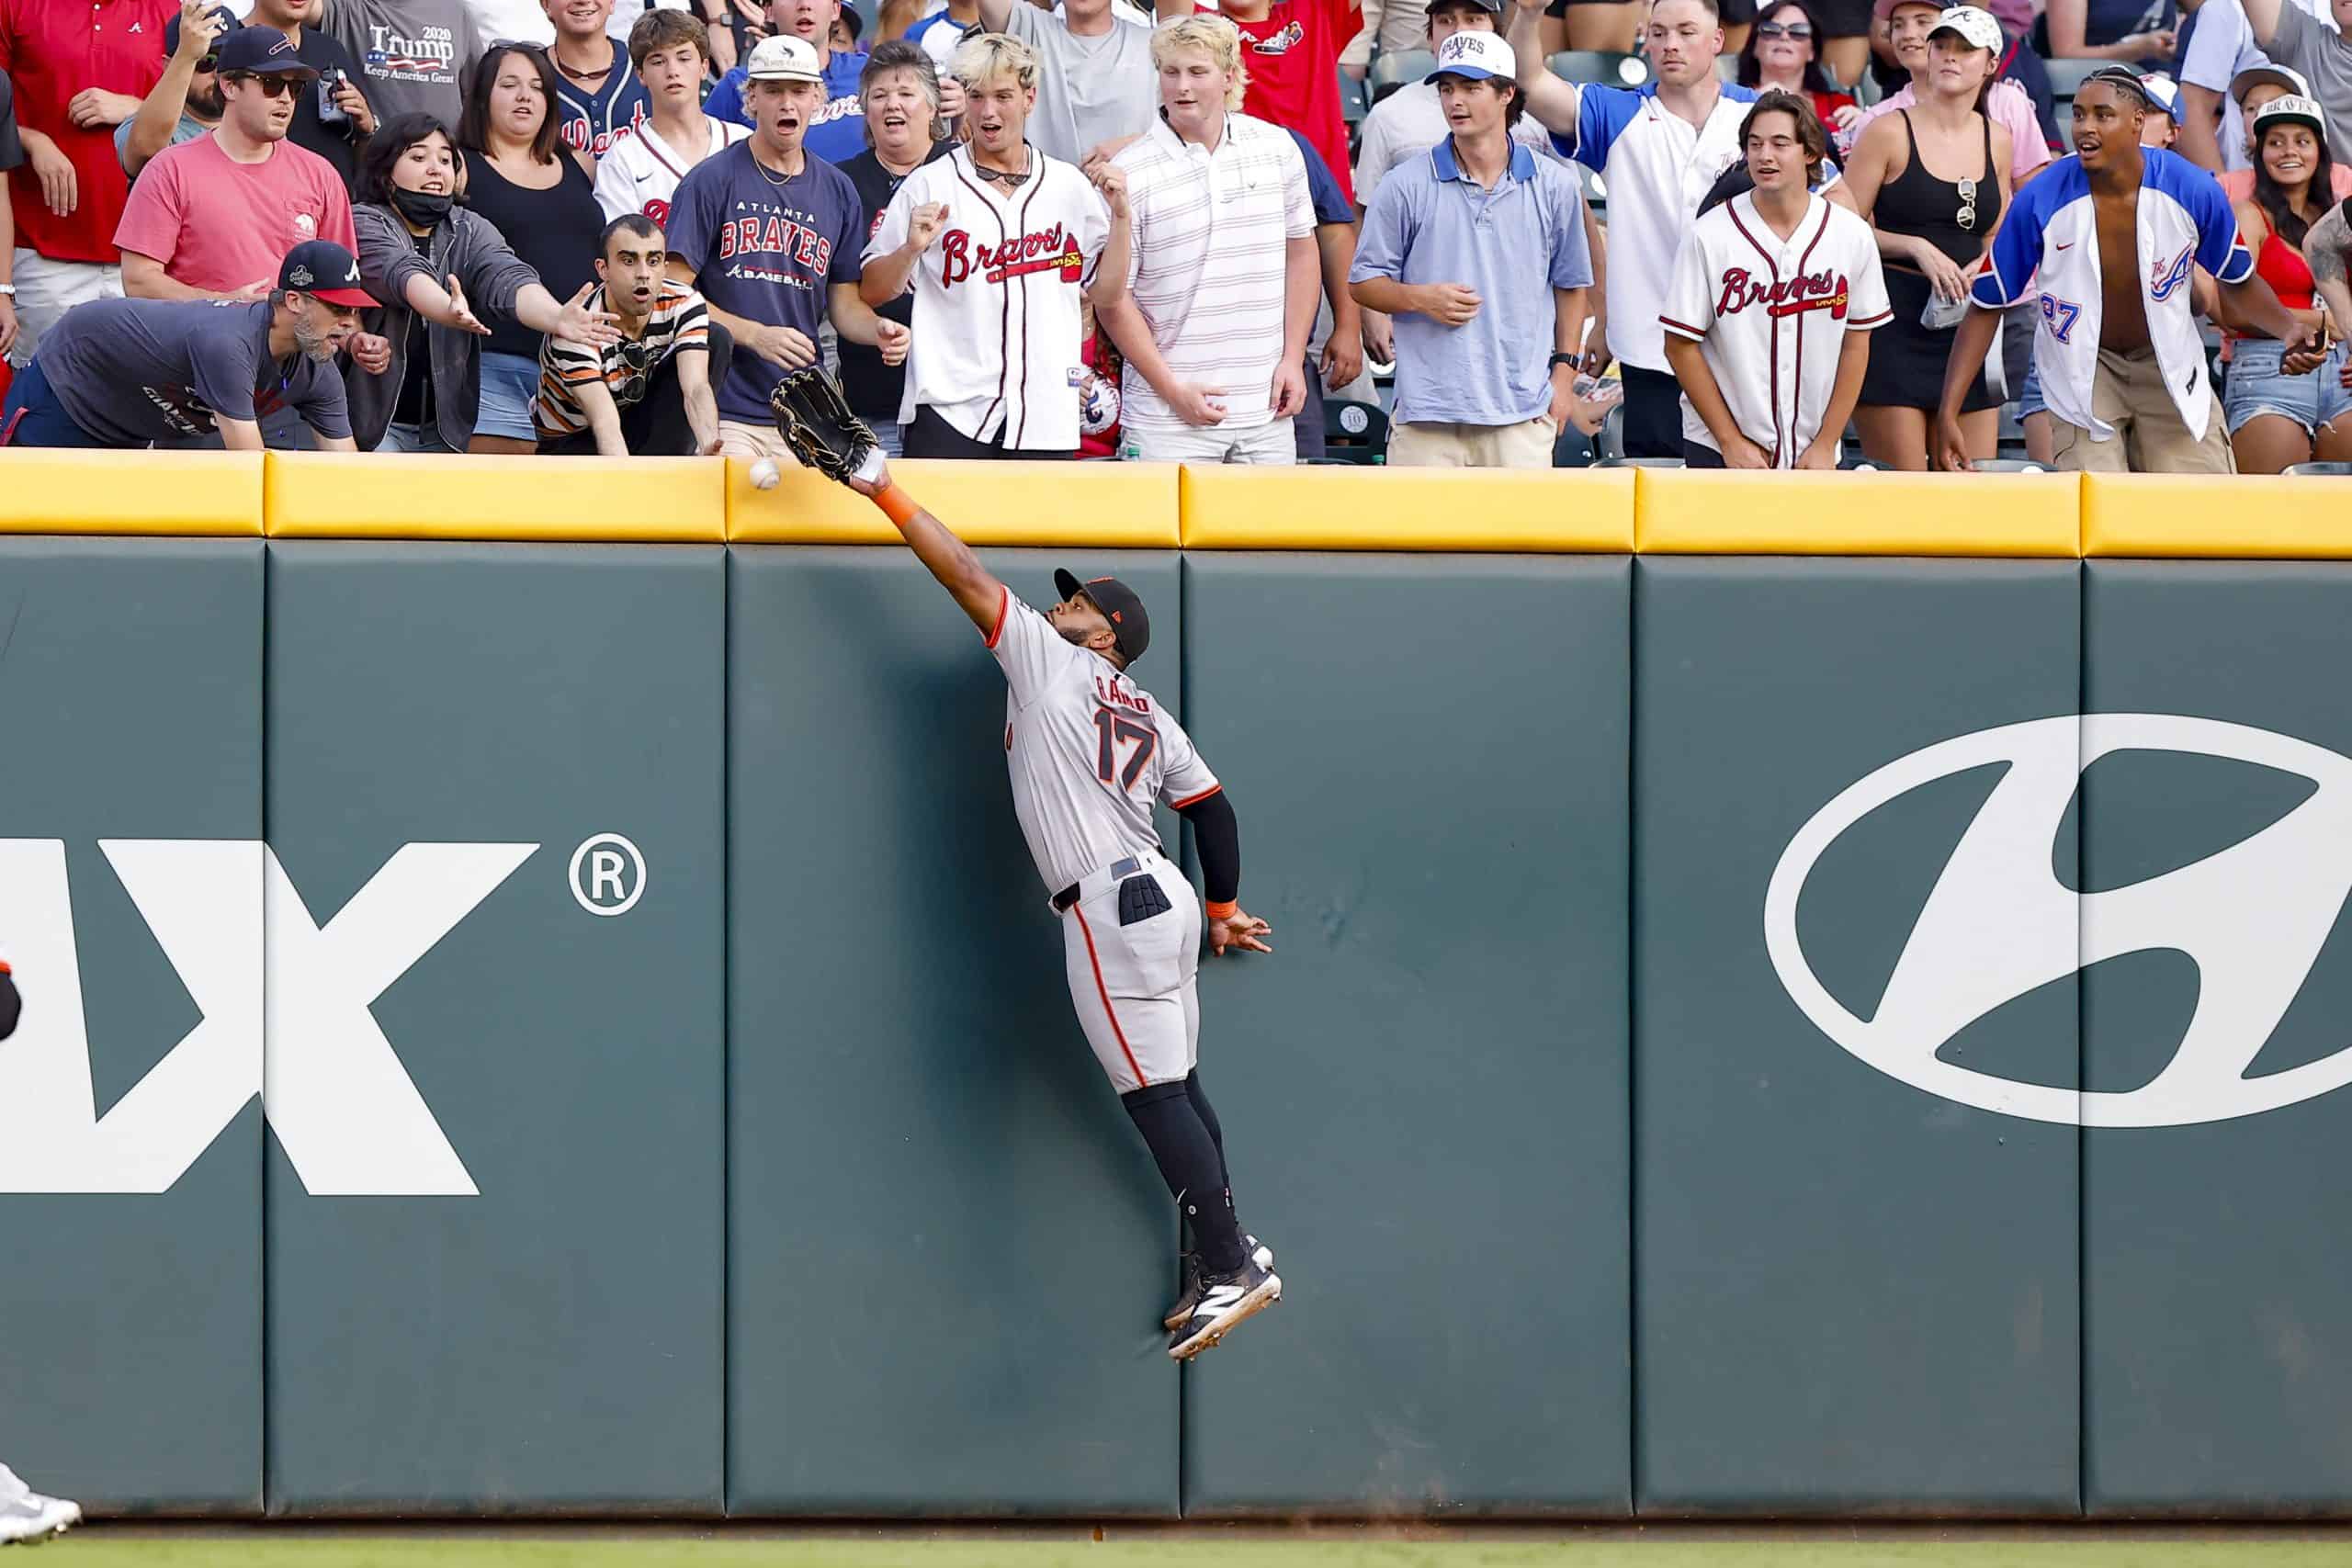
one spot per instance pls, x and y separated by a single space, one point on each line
1292 58
219 225
52 50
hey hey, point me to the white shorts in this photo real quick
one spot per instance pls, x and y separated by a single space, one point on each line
1132 984
1272 442
46 290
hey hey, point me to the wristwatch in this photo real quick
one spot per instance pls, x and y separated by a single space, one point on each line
7 291
1573 361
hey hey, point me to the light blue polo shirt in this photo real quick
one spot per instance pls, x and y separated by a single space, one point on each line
1514 244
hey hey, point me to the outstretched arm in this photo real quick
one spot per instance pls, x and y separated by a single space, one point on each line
948 558
1216 834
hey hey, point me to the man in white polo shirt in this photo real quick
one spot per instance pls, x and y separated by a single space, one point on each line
1659 149
1222 289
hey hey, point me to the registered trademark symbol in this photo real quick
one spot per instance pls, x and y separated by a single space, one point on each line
607 875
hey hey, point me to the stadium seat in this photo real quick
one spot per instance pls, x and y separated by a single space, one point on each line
1601 65
1391 72
2332 471
1596 190
2011 466
2065 76
1640 463
1354 104
1354 431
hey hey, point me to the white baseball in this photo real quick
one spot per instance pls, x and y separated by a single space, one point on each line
765 474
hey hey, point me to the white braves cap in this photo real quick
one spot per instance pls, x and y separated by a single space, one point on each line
783 59
2293 110
1977 27
2163 92
2252 76
1475 55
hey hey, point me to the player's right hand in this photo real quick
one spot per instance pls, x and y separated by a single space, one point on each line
924 224
1197 404
1448 304
1241 931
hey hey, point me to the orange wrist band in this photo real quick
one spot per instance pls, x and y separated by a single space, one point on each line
1224 911
896 505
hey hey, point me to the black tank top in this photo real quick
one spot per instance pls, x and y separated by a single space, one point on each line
1916 202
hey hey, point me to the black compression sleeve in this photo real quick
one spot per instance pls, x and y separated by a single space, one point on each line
1216 834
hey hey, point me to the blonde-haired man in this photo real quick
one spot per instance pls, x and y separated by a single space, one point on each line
1222 289
997 240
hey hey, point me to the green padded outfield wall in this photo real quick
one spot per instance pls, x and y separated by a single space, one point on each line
474 715
2218 1298
131 752
1423 1090
1850 1294
949 1250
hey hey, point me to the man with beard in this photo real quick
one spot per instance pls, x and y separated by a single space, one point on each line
187 103
2113 237
649 393
135 372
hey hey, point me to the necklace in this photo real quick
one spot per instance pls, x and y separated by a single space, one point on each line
779 181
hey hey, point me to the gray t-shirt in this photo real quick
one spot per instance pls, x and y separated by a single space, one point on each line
132 371
1088 89
187 129
2321 53
414 54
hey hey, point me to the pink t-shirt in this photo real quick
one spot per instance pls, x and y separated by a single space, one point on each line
2007 105
219 225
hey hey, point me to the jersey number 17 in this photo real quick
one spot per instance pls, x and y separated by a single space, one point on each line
1115 732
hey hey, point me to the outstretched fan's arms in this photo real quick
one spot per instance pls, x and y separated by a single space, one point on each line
816 423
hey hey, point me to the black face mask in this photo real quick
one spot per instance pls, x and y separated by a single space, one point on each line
420 207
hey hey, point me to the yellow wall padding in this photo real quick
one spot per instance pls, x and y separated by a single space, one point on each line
1126 506
333 495
1863 513
1230 507
2254 516
57 490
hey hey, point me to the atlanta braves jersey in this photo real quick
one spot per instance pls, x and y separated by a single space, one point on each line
640 173
1089 750
996 321
2052 227
1770 315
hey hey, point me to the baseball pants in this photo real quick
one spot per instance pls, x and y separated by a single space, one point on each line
1131 946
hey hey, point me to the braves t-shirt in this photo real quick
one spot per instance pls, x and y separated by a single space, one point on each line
132 371
836 132
1292 58
766 248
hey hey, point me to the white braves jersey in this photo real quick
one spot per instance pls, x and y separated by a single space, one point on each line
996 318
1089 750
1770 315
639 172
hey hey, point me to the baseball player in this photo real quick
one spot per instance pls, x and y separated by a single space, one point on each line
997 239
1768 313
25 1514
1090 750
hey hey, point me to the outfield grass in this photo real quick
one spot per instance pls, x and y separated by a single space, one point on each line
149 1548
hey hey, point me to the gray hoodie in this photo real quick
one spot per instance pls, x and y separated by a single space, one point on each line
490 275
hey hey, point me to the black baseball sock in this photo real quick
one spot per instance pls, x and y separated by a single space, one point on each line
1208 1118
1189 1162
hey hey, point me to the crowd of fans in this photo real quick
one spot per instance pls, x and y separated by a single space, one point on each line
1741 230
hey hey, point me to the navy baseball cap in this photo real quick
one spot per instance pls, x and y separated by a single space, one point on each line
1130 627
325 270
261 51
227 17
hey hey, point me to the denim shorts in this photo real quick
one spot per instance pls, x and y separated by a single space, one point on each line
509 384
2257 386
2029 391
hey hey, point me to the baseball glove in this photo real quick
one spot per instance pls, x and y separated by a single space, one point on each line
815 421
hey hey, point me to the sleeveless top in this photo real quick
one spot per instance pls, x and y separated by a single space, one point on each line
1916 202
2282 266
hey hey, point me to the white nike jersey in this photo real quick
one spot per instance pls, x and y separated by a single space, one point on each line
639 172
996 319
1089 750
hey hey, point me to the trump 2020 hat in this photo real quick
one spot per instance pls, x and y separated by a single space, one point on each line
260 51
1977 27
323 270
229 24
1130 627
1475 55
783 59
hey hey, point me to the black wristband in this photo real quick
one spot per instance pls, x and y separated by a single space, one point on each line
1573 361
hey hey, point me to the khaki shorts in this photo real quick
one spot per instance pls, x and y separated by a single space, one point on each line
2128 392
739 439
1432 444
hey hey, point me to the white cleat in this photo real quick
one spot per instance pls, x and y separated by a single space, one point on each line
28 1517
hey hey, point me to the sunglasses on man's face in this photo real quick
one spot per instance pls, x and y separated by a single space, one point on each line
271 87
1784 29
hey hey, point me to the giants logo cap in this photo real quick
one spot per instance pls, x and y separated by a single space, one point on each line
1130 627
